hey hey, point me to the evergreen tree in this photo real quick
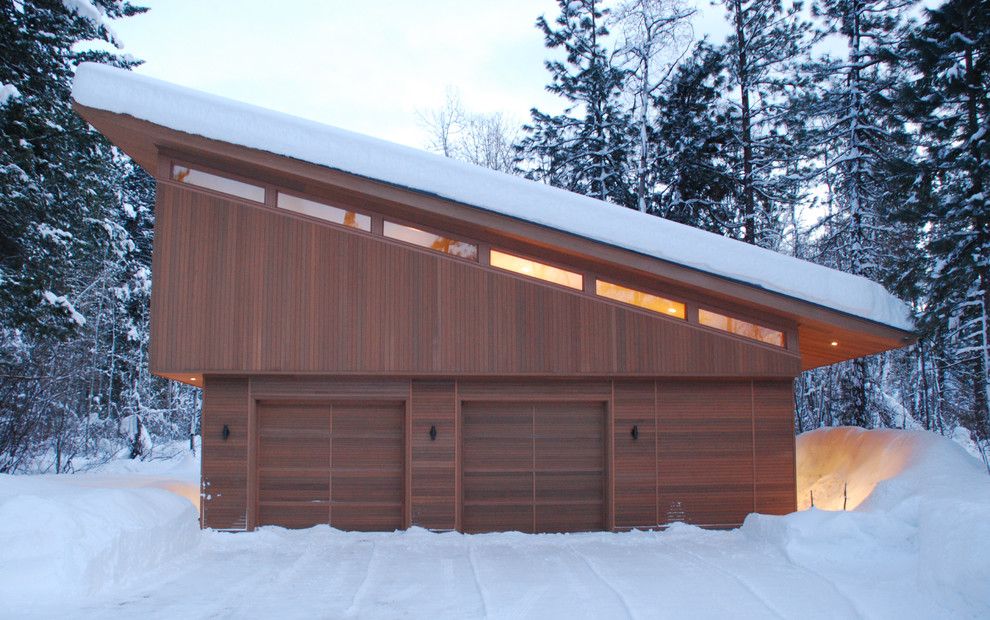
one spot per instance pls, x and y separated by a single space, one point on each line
75 253
52 166
694 184
949 101
585 149
861 143
762 60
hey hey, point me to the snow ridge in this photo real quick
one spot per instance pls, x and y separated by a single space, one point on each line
190 111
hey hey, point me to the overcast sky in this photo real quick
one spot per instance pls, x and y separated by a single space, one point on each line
368 67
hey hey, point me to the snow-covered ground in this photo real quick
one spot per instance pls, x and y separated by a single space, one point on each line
123 542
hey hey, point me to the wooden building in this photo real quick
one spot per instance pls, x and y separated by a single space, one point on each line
387 338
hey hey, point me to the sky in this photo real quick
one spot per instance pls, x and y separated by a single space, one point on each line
370 67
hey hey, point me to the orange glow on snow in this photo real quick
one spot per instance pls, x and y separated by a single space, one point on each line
828 460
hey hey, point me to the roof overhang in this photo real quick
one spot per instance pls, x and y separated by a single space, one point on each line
818 326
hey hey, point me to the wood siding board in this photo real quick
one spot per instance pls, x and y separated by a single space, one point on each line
144 141
635 460
244 289
224 463
773 415
433 461
705 452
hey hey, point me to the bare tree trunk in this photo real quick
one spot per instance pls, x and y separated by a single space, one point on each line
745 118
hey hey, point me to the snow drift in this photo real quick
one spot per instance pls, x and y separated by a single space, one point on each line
916 546
72 535
919 512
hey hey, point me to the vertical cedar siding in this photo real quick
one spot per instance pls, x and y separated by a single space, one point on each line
224 484
246 289
272 308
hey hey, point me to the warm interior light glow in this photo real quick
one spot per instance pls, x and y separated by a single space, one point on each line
740 327
192 378
846 463
640 299
326 212
217 183
430 240
835 344
535 269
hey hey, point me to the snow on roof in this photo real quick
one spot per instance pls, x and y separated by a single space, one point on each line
195 112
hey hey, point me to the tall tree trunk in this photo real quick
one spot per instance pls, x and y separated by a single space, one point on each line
745 118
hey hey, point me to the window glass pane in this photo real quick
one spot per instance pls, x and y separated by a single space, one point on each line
537 270
741 328
218 183
641 299
431 240
324 211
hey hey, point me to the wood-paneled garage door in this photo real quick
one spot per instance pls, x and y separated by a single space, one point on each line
336 463
533 467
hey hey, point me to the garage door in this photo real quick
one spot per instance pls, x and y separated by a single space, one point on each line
533 467
336 463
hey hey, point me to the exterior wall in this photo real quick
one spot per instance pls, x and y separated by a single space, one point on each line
247 289
708 452
224 486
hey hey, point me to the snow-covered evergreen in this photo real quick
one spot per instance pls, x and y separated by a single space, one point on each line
948 99
75 252
585 149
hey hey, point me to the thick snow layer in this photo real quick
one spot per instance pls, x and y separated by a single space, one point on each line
916 548
63 538
195 112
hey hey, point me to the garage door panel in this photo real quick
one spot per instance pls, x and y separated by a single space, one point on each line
368 420
498 486
498 454
586 487
364 486
570 453
498 518
278 452
294 485
568 419
297 418
337 463
497 420
567 518
520 458
366 517
358 453
293 515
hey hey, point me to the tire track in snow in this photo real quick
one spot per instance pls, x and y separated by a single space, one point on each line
598 575
746 586
831 584
359 592
477 581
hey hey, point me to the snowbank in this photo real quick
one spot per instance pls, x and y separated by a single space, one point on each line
190 111
916 546
67 536
919 514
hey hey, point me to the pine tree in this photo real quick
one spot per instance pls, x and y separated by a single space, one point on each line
690 140
950 103
762 56
75 254
52 166
861 143
585 149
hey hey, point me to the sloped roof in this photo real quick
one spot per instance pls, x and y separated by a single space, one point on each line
182 109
